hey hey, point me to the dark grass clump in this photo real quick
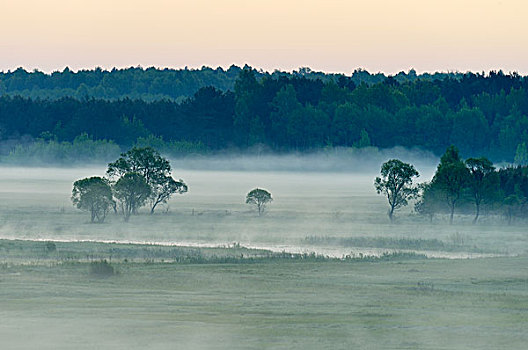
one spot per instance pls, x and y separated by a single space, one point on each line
50 247
392 243
101 268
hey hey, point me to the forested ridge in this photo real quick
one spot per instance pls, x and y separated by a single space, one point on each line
239 108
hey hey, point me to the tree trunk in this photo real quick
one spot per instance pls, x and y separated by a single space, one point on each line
476 214
391 214
452 214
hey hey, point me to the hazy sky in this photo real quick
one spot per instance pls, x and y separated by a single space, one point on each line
329 35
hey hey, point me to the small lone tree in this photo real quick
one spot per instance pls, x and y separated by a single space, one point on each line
93 194
396 182
155 169
132 191
260 198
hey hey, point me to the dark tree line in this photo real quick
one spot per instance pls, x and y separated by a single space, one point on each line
458 186
471 185
484 114
157 84
137 83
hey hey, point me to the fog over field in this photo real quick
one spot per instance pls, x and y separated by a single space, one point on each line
325 207
194 284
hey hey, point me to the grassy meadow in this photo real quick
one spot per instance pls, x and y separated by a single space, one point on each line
276 304
311 211
205 272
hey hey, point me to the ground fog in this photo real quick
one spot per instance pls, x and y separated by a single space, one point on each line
319 209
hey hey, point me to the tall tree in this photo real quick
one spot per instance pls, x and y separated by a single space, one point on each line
246 107
155 169
470 130
428 204
93 194
521 154
132 191
396 182
450 178
483 182
164 189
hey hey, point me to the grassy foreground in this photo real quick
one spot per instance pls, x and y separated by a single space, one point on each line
268 304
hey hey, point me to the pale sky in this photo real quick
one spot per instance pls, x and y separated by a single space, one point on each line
327 35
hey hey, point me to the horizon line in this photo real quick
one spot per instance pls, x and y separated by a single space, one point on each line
258 69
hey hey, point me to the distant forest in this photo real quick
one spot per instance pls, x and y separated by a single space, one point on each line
239 108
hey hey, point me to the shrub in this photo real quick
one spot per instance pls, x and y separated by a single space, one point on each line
50 247
101 268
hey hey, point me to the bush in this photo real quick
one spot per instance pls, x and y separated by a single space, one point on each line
102 269
50 247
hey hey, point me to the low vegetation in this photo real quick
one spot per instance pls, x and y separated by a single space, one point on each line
457 245
100 255
479 303
102 268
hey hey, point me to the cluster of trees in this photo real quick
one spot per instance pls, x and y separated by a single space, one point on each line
83 149
465 186
484 114
139 177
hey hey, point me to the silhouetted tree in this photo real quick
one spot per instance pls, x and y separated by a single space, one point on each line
163 189
260 198
396 182
482 183
93 194
428 203
155 169
132 191
451 178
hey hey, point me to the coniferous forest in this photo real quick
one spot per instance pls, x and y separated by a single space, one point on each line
483 114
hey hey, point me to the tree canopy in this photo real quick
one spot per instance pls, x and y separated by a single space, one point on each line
94 195
131 191
396 183
451 178
155 170
199 110
260 198
470 185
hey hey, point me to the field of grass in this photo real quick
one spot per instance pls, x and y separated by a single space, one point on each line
397 303
206 272
35 204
